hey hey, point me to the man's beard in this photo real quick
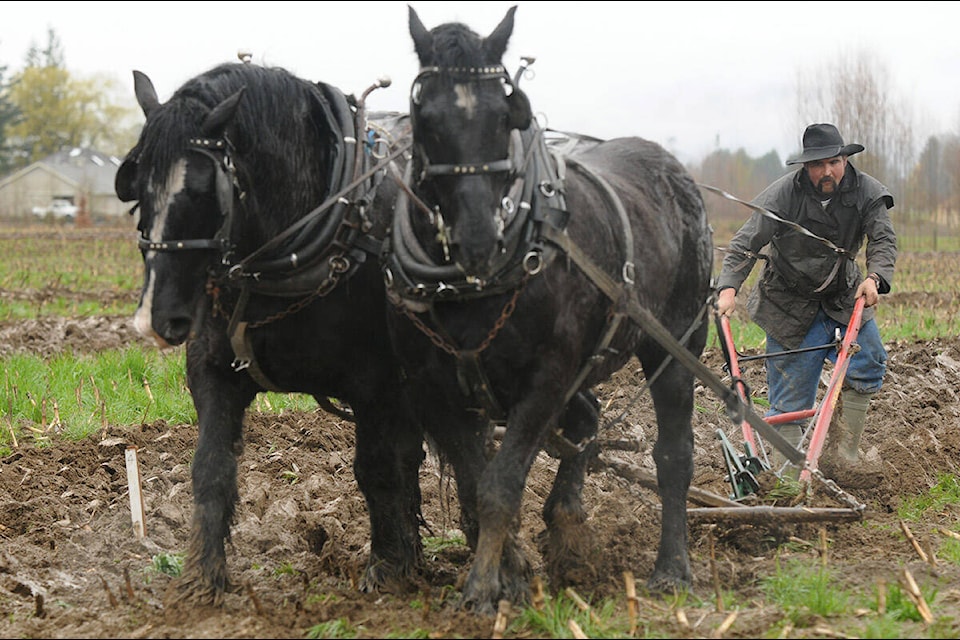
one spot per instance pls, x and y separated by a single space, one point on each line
831 185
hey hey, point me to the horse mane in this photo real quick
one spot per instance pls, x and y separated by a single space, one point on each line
457 45
270 135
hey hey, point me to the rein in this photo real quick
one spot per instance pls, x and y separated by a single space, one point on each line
749 255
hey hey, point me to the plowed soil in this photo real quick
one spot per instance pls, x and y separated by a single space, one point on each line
71 567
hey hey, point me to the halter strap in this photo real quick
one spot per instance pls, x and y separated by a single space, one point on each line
468 169
218 150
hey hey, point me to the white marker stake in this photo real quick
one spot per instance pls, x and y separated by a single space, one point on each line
136 499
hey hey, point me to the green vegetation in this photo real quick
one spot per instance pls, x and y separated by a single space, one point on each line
339 628
553 620
433 545
285 569
74 273
170 564
803 588
945 492
77 395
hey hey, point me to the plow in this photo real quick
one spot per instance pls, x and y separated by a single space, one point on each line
759 436
744 468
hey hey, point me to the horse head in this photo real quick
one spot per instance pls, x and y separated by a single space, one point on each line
464 111
201 165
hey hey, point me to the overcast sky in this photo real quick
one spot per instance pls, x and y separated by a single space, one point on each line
690 75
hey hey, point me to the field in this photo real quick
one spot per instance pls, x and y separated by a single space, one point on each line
71 566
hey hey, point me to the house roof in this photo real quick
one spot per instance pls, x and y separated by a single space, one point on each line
85 166
77 166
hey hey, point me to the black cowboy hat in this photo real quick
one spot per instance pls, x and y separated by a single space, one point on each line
822 141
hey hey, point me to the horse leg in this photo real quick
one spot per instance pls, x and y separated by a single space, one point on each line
465 448
565 544
220 403
387 463
672 395
500 570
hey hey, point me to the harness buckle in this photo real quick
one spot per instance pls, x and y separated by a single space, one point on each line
235 273
239 364
629 272
339 264
533 262
444 289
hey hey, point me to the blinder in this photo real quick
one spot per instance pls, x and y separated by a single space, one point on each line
226 186
124 181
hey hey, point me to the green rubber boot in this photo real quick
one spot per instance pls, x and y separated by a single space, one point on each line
792 432
852 420
843 461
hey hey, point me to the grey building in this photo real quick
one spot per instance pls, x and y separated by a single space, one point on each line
83 177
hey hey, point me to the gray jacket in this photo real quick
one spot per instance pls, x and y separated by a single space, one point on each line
801 274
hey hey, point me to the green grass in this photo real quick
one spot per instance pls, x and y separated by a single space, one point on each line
76 273
804 588
64 307
76 395
433 545
945 492
604 620
339 628
72 260
170 564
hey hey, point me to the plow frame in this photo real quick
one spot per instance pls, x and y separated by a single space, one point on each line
821 412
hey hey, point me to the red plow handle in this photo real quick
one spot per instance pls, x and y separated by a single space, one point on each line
829 403
730 351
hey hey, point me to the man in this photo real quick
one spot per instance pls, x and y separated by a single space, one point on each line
810 283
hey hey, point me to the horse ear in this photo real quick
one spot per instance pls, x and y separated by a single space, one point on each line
222 114
495 45
520 112
422 40
146 94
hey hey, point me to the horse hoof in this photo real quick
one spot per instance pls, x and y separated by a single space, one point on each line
666 584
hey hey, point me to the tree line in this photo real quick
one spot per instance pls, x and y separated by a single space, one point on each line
44 108
856 97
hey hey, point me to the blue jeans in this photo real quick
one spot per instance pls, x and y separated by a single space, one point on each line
792 379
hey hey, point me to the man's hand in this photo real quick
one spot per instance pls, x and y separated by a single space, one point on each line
727 301
868 288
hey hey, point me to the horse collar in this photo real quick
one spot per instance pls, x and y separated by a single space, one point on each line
417 280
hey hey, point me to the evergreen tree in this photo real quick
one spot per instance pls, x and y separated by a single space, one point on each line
9 116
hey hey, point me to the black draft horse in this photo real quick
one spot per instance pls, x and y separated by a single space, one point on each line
261 218
510 264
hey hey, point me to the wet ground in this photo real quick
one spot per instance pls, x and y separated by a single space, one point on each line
71 567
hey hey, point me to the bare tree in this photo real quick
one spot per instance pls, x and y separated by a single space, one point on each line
853 93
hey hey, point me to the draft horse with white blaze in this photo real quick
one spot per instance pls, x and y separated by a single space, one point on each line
512 267
261 216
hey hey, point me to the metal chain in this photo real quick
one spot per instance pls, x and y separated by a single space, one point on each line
323 289
439 341
338 267
834 489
